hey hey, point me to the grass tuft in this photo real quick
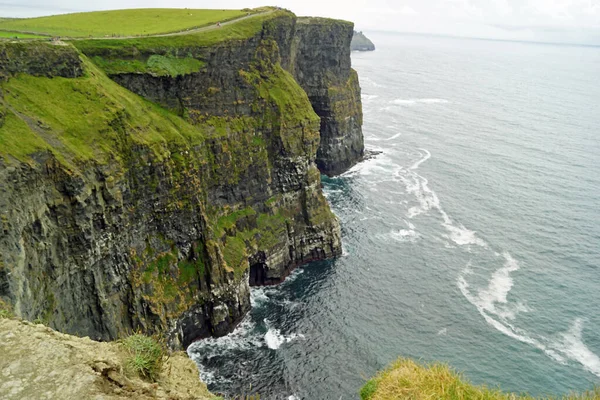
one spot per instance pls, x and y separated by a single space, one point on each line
5 310
406 379
146 356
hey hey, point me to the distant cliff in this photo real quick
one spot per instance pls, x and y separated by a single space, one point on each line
147 183
361 43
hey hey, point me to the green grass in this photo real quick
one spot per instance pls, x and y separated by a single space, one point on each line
5 309
175 45
133 22
406 379
88 122
18 35
146 356
155 65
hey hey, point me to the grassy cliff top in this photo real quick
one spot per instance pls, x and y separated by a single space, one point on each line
134 22
241 29
405 379
323 21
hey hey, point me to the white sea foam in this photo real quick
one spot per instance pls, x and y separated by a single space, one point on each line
241 338
274 339
397 135
572 346
410 102
499 285
426 157
488 311
258 296
405 235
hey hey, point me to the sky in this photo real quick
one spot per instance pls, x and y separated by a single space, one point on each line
570 21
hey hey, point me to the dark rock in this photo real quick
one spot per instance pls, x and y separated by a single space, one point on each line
361 43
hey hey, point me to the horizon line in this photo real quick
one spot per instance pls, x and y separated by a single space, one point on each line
451 36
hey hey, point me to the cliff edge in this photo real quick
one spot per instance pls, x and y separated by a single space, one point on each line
40 363
146 183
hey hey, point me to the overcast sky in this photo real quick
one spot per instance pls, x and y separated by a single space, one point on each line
575 21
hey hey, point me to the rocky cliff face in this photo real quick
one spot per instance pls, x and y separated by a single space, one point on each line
118 215
322 67
361 43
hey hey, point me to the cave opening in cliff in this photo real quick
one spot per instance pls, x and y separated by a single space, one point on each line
258 274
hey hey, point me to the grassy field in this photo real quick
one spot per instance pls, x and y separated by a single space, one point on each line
406 379
12 35
123 48
134 22
88 121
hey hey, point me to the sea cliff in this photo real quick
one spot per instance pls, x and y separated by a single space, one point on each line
147 183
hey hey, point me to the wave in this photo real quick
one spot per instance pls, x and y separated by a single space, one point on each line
572 346
240 338
419 186
487 308
405 235
274 339
258 295
493 305
397 135
422 160
410 102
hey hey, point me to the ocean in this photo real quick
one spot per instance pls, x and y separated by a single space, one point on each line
473 238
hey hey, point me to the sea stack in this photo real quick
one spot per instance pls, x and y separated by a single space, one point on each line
361 43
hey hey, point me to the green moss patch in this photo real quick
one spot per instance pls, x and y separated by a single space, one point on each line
155 65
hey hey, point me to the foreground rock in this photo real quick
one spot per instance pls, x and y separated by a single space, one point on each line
38 363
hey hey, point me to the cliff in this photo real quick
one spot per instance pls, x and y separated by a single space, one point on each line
40 363
146 183
322 67
361 43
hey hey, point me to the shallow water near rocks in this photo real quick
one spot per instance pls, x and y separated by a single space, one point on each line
473 238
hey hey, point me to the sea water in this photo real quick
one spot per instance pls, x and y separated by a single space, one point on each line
473 238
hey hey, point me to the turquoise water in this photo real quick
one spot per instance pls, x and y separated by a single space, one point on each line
474 238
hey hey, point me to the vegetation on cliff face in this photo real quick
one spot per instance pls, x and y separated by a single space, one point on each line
157 209
406 379
133 22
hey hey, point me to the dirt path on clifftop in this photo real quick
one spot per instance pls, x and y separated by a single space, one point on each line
38 363
178 33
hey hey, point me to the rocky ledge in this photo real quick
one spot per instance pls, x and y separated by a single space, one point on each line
39 363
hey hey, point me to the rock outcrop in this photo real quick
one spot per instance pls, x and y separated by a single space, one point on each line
39 363
361 43
156 213
333 89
